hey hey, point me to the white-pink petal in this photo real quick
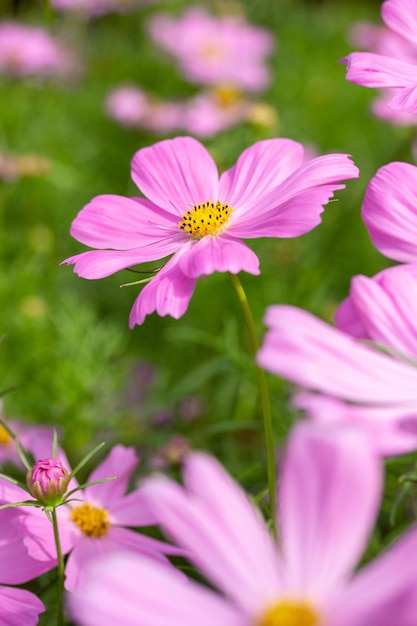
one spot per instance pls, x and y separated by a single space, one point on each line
330 487
309 352
175 174
134 591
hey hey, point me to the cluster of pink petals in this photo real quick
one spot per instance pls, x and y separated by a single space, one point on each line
393 65
380 378
203 115
215 50
97 7
325 471
272 190
389 211
29 51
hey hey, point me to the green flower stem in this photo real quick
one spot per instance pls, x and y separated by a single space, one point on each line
61 570
264 395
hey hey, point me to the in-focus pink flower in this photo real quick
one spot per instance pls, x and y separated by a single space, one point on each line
19 607
389 211
48 481
308 580
381 382
215 50
28 51
201 218
393 64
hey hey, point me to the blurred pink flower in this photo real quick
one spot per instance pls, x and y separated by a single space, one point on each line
29 436
134 108
393 63
389 211
214 110
383 382
19 607
29 51
215 50
201 218
308 580
98 7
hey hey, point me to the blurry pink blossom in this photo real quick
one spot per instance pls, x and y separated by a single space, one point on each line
389 211
309 578
215 50
31 437
214 110
96 8
201 218
393 60
29 51
380 378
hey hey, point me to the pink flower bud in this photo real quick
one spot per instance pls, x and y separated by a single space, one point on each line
48 481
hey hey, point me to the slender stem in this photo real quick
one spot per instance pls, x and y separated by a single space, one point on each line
264 395
61 571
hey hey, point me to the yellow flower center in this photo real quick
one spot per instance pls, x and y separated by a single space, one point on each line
4 436
226 96
91 520
289 613
208 218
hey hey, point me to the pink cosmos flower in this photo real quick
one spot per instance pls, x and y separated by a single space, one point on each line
309 580
31 437
215 50
215 110
394 64
389 211
382 382
201 218
48 481
27 51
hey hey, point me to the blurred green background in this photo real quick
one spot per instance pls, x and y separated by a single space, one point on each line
67 347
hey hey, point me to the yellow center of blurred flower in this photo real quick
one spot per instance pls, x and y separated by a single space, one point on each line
91 520
289 613
209 218
4 436
211 51
226 96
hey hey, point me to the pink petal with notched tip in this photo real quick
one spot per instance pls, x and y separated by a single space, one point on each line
375 70
220 253
110 221
389 211
175 174
309 352
19 607
112 595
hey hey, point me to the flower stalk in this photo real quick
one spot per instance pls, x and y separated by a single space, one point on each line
264 396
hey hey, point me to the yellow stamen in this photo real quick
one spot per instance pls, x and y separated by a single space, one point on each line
4 436
289 613
208 218
226 96
92 520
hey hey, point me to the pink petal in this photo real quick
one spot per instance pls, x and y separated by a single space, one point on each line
384 592
113 595
258 170
405 100
19 607
111 221
132 510
310 353
169 293
375 70
401 17
101 263
120 462
175 174
389 211
218 254
314 182
386 308
326 470
215 522
389 431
